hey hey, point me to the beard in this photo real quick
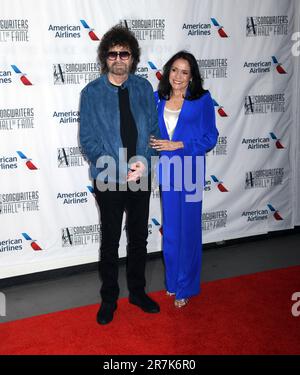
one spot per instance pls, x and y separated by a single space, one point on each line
119 69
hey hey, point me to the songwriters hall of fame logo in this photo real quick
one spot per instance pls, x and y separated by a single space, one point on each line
70 157
146 29
81 235
16 118
220 148
14 30
19 202
75 73
262 104
264 178
213 68
214 220
267 26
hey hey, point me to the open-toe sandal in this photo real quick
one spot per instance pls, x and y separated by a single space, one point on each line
181 302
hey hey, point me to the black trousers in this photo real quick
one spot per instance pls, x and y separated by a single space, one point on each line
112 205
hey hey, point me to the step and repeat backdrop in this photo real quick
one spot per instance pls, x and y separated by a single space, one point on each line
247 54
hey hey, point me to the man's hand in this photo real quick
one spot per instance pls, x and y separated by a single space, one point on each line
136 171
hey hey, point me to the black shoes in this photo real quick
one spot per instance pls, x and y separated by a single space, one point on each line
106 312
144 302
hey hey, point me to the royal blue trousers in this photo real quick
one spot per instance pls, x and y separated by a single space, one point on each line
182 243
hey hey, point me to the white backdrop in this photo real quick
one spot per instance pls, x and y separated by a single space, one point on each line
48 215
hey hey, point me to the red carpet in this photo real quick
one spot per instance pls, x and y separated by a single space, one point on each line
242 315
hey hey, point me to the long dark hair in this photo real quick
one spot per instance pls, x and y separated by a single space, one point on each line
118 36
195 89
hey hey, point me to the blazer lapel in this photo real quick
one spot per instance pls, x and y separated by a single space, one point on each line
162 125
180 123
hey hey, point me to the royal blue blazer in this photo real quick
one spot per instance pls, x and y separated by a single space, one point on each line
196 128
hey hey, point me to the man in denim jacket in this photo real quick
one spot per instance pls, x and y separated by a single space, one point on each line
117 117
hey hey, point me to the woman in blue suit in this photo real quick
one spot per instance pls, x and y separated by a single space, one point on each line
187 125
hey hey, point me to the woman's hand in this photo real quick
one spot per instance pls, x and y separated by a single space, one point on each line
165 145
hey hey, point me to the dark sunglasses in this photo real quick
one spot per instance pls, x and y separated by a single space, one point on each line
124 55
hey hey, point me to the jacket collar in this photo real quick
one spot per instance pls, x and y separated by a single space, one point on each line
115 88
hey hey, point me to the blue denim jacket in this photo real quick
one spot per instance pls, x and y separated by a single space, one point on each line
100 122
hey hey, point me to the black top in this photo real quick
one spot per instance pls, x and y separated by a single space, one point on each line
127 124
